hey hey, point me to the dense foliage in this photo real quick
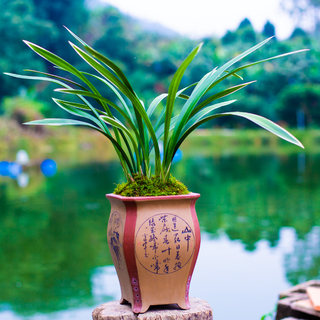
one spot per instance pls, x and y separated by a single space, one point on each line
149 55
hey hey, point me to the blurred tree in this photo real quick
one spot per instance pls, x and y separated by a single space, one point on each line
299 104
41 22
229 38
17 22
269 29
70 13
117 41
246 31
298 32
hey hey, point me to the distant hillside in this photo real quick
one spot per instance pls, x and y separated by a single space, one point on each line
157 28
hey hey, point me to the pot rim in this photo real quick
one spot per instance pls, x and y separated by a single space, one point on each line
189 196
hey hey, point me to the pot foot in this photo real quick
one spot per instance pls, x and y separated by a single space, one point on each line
140 309
184 305
124 301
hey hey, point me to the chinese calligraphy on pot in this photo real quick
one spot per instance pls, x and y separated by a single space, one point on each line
166 243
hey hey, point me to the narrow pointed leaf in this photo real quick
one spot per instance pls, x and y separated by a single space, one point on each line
219 95
203 86
269 126
173 89
253 64
116 92
259 120
60 122
78 112
103 59
98 98
57 77
157 100
78 105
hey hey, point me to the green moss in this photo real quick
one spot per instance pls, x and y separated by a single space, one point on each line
143 186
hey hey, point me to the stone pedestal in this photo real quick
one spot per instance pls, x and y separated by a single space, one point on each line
200 310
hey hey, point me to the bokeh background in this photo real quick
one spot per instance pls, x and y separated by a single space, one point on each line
259 209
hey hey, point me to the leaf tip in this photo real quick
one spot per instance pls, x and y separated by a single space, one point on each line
28 43
200 46
299 144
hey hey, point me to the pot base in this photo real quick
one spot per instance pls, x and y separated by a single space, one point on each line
145 307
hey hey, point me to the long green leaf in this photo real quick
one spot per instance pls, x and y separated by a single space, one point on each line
116 92
202 113
98 98
198 92
269 126
71 122
53 80
57 77
56 60
195 118
219 95
234 71
259 120
78 112
104 59
118 84
139 110
173 89
205 83
156 101
115 123
78 105
60 122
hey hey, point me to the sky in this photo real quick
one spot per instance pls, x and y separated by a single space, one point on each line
200 18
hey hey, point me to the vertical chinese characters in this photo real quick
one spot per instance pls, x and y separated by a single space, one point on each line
167 242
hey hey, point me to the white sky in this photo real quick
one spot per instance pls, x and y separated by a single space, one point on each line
198 18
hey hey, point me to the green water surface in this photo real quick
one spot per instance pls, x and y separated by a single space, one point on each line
259 215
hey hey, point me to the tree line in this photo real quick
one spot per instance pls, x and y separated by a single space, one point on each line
287 90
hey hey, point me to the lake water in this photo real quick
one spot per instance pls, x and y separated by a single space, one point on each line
259 216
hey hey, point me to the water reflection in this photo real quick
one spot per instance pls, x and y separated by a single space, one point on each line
15 170
303 262
53 252
10 169
252 198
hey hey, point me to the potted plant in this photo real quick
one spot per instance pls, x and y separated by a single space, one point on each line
153 231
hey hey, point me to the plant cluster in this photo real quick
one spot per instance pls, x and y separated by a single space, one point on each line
145 144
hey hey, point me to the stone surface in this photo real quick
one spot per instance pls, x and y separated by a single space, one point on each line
200 310
295 303
292 319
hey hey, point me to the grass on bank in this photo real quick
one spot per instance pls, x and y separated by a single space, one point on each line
83 145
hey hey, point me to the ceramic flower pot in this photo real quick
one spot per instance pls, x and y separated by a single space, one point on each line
154 243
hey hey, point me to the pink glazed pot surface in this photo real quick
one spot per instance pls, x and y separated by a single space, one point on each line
154 243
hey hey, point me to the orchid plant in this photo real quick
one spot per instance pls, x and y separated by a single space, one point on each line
136 134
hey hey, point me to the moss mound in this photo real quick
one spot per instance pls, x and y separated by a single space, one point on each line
143 186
